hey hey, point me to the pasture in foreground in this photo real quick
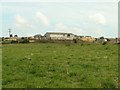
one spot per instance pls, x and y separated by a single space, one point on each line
53 65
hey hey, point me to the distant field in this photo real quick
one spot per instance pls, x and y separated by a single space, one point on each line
59 65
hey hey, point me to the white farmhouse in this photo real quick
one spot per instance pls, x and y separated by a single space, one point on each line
59 36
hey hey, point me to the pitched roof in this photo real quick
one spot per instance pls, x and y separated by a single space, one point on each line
58 33
38 35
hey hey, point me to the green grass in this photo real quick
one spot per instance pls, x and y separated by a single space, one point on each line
43 65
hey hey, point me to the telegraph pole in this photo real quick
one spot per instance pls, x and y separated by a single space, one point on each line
9 30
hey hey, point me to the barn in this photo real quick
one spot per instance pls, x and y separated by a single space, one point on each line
59 36
87 39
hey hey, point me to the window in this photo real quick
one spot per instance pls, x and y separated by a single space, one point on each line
68 35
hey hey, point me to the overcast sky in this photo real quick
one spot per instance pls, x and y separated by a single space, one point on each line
82 18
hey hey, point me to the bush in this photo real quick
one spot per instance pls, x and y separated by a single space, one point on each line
82 44
75 40
104 43
14 41
24 40
6 42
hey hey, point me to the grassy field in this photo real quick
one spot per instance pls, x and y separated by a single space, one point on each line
53 65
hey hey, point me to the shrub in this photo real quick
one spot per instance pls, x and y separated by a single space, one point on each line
14 41
6 42
104 43
25 40
75 40
44 41
82 44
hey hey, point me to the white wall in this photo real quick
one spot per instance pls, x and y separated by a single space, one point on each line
60 37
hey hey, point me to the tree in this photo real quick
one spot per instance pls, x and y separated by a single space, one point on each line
75 40
24 40
102 37
3 38
11 35
15 35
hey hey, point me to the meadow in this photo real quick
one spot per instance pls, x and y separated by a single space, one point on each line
50 65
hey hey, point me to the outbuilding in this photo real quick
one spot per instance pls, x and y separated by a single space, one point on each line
59 36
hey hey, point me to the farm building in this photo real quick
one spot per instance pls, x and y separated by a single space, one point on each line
11 39
59 36
101 40
31 39
116 40
87 39
78 37
38 37
14 38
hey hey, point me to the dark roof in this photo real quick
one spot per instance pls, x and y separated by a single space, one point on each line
38 35
87 36
58 33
